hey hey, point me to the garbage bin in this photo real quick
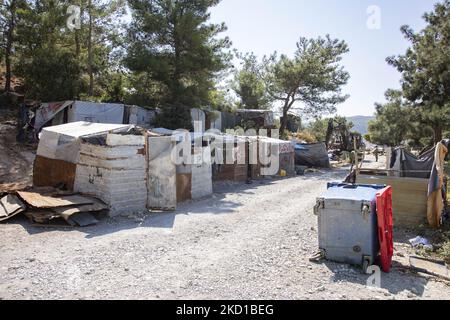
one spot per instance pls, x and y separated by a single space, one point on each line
348 223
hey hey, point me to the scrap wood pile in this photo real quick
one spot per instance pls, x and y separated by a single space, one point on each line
47 206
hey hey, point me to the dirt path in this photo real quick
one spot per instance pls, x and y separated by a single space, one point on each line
246 242
16 161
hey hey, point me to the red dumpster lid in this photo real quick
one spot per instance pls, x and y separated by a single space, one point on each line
385 227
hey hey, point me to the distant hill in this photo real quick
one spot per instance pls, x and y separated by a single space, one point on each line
361 123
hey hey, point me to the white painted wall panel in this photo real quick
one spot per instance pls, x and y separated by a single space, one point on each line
201 181
162 191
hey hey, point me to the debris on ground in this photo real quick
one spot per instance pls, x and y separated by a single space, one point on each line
421 241
41 201
47 205
436 268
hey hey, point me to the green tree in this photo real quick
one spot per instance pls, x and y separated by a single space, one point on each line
45 60
172 43
340 129
98 35
57 63
393 122
425 69
318 128
249 85
313 78
10 11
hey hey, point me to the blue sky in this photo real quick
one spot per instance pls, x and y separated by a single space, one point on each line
265 26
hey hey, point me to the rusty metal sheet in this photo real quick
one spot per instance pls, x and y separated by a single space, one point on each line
51 172
231 172
10 205
13 187
41 201
183 187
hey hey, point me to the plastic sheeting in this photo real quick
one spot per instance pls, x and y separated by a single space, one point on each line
96 112
47 111
312 155
410 166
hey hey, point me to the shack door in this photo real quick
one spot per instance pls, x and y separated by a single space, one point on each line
162 187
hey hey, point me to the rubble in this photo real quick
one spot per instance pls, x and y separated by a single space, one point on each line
45 205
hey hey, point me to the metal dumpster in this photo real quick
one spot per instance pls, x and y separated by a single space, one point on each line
347 220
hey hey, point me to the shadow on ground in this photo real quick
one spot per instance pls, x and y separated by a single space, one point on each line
216 204
400 279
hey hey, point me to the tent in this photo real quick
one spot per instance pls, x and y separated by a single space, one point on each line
312 155
405 164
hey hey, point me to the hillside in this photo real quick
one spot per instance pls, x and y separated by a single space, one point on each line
361 123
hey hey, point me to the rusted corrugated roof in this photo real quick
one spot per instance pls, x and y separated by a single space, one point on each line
38 200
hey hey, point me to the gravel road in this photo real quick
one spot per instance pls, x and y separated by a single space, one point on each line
246 242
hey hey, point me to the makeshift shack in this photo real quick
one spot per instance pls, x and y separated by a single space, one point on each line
193 176
312 155
56 113
59 149
235 160
194 181
199 116
120 164
417 185
112 167
261 118
139 116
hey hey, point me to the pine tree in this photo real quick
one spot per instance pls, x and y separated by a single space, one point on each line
172 45
425 69
249 83
313 79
